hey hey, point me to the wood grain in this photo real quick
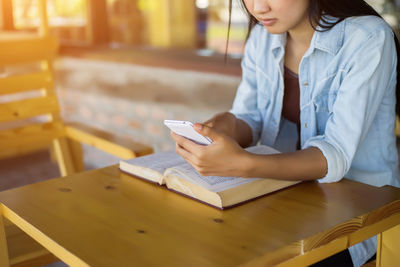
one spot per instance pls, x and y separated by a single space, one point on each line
112 144
42 133
32 81
28 108
370 264
3 244
39 261
116 220
24 251
44 29
18 137
397 128
27 228
76 154
27 49
63 155
390 247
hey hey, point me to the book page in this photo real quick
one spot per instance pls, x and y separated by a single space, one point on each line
217 183
158 161
212 183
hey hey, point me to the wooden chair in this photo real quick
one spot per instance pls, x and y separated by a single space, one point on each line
397 129
33 123
30 120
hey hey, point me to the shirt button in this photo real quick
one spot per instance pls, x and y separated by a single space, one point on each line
305 125
305 83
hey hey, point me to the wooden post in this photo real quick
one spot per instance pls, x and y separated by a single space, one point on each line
97 30
182 23
77 155
171 23
7 18
158 22
379 250
387 247
64 157
4 261
44 25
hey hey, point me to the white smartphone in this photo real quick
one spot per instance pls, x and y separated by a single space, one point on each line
185 129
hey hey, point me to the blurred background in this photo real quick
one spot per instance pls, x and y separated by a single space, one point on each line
126 65
190 24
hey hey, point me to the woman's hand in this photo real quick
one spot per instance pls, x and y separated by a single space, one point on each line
224 122
227 124
224 157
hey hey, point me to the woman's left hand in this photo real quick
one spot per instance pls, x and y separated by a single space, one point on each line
224 157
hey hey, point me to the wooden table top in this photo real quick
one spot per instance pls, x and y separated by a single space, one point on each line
106 218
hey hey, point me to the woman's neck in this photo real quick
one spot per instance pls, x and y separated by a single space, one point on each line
301 35
297 43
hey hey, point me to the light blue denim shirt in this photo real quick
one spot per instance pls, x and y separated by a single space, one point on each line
347 83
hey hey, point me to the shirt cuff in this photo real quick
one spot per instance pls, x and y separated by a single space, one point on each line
335 160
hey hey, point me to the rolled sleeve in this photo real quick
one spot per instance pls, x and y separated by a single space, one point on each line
337 165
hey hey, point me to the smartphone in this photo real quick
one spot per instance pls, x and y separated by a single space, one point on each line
185 129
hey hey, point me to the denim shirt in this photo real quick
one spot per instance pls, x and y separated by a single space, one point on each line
347 82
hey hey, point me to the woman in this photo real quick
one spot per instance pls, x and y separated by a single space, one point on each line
318 75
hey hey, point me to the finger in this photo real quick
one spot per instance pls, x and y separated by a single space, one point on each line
187 144
186 155
207 131
191 158
210 122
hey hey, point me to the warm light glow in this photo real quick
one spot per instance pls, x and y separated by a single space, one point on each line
60 13
202 3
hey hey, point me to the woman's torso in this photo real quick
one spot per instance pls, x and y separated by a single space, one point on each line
353 127
322 71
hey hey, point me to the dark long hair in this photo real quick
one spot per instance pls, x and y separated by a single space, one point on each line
340 9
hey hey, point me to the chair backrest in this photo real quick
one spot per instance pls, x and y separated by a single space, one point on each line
29 109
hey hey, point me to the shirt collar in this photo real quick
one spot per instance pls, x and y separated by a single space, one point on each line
329 41
278 43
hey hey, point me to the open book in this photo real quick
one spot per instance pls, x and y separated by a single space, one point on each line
171 170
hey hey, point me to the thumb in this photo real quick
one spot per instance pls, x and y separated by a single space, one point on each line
206 131
209 122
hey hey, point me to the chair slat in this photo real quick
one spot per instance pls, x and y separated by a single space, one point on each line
16 51
25 149
25 82
42 134
27 108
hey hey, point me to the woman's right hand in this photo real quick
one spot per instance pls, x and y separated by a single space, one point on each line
228 124
224 122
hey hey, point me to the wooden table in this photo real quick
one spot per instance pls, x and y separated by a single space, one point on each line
105 218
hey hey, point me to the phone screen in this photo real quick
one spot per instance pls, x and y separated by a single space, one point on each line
185 129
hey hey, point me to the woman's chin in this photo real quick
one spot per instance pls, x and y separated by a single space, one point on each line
275 30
